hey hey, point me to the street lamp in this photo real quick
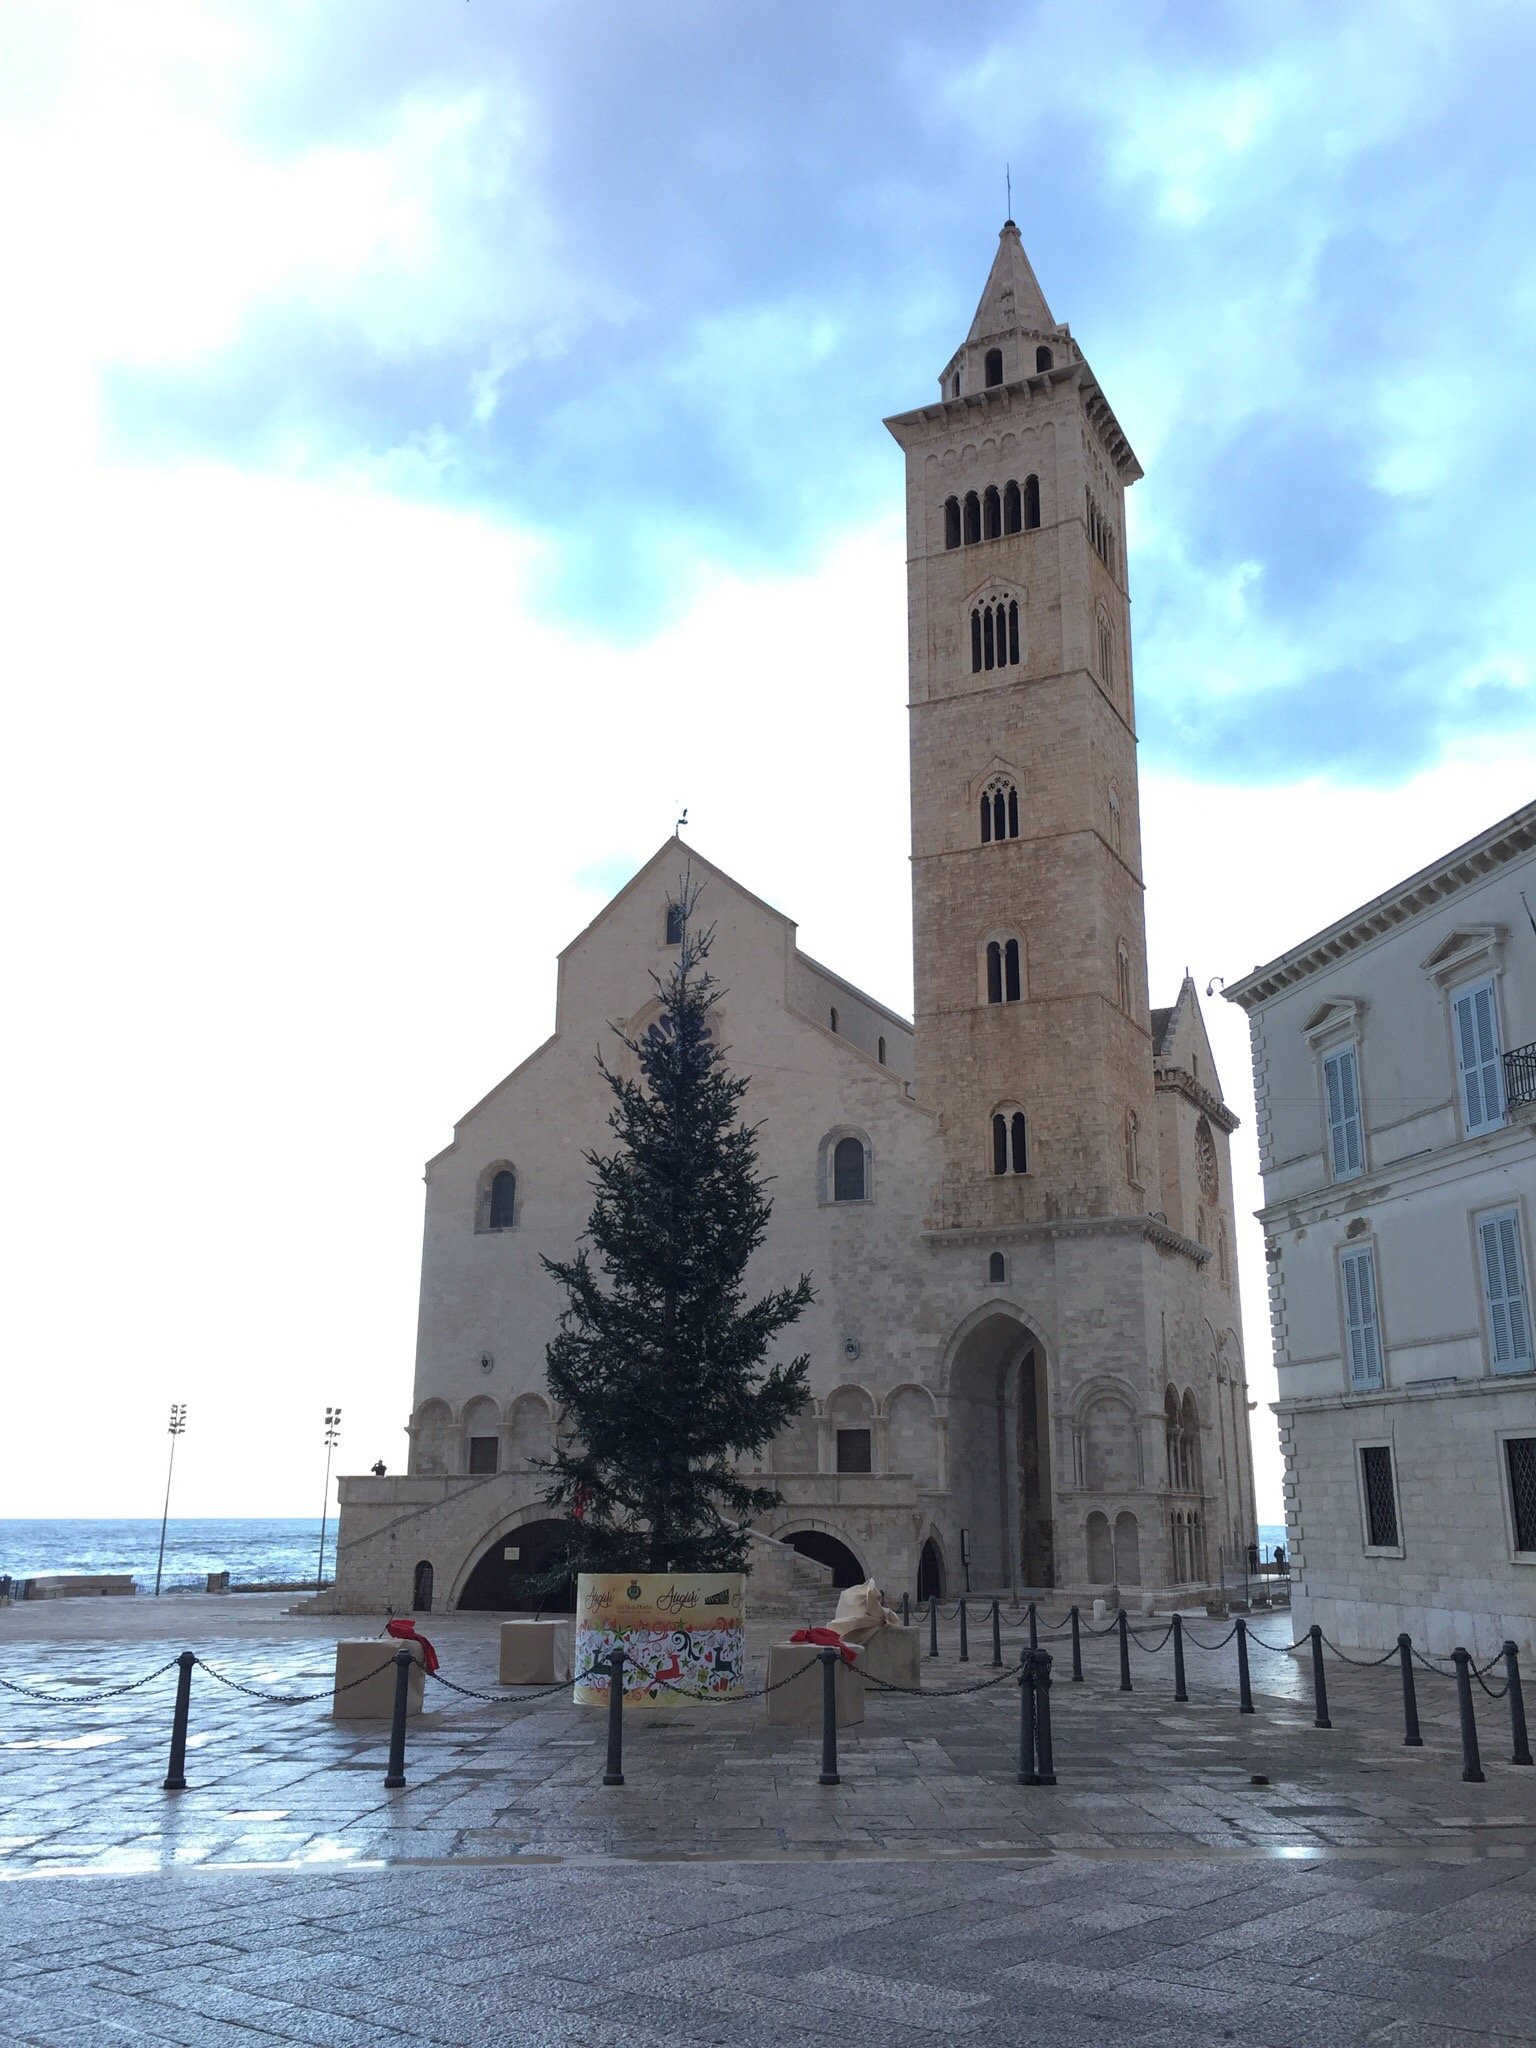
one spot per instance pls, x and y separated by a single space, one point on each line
174 1428
332 1433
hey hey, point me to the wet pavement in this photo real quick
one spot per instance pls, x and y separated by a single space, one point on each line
722 1894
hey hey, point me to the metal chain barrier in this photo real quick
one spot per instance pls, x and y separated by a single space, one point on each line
516 1699
87 1699
1150 1648
1361 1663
294 1699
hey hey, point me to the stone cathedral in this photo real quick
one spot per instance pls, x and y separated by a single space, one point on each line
1016 1209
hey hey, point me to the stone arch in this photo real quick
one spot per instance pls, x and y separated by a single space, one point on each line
488 1580
1101 1551
995 1382
480 1434
912 1436
825 1543
434 1440
1127 1549
421 1587
530 1430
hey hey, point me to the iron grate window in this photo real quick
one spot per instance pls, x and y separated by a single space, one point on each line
1520 1454
1380 1497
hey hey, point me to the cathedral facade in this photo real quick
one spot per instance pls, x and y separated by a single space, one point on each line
1016 1209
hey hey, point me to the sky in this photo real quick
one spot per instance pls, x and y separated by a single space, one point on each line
443 439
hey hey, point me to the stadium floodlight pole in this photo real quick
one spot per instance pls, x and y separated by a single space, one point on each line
174 1428
332 1432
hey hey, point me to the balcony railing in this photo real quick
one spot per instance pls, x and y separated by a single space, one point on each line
1520 1075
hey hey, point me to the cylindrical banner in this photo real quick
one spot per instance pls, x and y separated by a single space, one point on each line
681 1634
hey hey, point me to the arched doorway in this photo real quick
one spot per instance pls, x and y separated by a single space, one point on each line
1000 1453
845 1567
505 1578
421 1588
930 1572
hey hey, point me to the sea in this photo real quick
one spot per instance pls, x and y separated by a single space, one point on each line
276 1550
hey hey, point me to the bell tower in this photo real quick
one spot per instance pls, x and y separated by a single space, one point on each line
1033 1037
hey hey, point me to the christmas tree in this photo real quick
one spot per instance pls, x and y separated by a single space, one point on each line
659 1364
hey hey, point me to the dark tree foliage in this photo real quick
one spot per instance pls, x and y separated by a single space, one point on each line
659 1363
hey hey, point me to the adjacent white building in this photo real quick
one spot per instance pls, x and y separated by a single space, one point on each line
1394 1059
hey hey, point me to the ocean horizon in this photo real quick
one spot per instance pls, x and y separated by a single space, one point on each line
253 1549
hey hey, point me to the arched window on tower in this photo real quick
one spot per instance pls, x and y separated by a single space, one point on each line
1114 816
1132 1149
1004 980
1123 975
832 1019
1011 981
995 634
994 972
997 1270
1106 650
1031 503
951 522
999 811
994 366
1010 1142
1013 508
674 924
972 517
991 513
1044 360
503 1200
880 1050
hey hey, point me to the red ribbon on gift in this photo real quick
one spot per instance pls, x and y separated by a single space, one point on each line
826 1639
404 1630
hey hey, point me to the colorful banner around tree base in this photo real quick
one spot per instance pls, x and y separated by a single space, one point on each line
682 1634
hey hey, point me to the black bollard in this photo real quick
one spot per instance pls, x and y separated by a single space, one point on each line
965 1641
176 1768
613 1769
1034 1627
1180 1690
1045 1762
394 1777
1125 1649
1412 1739
933 1627
829 1659
1077 1648
1244 1684
906 1610
1519 1739
1319 1680
1471 1762
1027 1773
997 1632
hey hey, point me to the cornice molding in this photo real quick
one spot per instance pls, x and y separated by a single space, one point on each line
1178 1081
1500 846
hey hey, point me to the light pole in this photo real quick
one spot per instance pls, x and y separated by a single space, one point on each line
332 1432
174 1428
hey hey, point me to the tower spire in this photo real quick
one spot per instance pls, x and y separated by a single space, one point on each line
1012 301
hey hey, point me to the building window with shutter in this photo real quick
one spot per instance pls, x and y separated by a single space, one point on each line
1361 1321
1378 1499
1341 1094
674 924
997 1269
1505 1294
1475 1025
483 1453
1520 1472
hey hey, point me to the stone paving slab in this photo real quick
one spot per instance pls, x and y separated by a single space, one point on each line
1157 1894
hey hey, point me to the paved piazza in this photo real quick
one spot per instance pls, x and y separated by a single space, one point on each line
1156 1894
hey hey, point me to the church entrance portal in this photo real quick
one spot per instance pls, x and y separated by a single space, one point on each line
816 1543
1000 1455
504 1579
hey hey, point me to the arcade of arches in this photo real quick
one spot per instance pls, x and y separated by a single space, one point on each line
506 1578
